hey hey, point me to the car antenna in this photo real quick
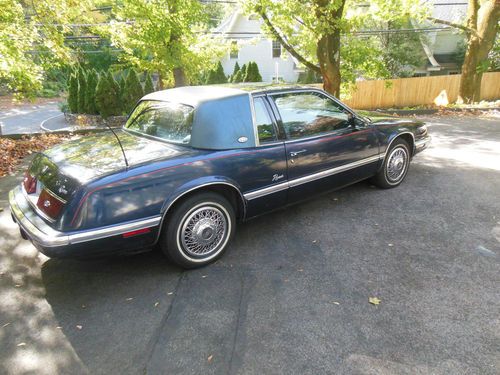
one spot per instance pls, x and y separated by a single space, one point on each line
119 142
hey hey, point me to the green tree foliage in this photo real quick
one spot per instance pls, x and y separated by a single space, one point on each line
238 77
148 84
165 38
133 92
32 40
321 35
107 96
252 73
90 101
73 93
82 90
235 71
216 75
122 89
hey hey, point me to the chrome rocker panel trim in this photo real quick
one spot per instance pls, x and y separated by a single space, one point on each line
315 176
46 236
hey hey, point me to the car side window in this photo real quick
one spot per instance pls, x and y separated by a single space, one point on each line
306 114
265 126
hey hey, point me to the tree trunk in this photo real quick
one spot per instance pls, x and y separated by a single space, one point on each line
470 90
328 47
179 77
328 52
483 25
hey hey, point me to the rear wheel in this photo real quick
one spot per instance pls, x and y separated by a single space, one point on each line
395 168
198 230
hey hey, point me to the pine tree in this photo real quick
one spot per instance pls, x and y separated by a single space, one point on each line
73 93
82 89
107 96
235 71
240 75
257 77
221 76
90 105
133 92
148 84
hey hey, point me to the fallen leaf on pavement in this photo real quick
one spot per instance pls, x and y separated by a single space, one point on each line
129 299
204 276
21 344
170 293
374 300
209 359
336 303
79 327
390 245
156 304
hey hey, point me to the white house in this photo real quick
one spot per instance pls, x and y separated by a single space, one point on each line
442 43
250 44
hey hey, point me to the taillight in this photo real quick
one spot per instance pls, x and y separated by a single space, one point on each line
50 204
29 183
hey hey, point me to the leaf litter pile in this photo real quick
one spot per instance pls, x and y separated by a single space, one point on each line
13 151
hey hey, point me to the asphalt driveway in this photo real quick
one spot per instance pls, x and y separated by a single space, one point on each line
291 295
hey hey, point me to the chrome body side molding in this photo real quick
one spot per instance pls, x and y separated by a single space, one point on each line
309 178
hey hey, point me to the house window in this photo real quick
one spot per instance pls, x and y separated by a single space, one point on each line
233 53
276 49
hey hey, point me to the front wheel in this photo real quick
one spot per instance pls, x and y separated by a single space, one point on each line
198 230
395 167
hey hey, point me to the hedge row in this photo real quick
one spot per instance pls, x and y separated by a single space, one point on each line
247 73
102 94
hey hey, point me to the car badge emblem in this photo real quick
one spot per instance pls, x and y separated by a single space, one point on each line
242 139
46 204
277 177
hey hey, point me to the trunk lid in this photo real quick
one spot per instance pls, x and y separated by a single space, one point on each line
54 176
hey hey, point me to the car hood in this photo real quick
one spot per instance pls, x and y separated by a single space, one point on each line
93 156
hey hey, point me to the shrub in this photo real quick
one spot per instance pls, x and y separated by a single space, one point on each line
235 71
240 75
148 84
122 91
252 73
107 96
82 90
90 104
133 91
217 75
73 93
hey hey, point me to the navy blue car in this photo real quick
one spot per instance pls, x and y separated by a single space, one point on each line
191 162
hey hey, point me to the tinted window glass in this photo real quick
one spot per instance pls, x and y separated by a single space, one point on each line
307 114
169 121
265 127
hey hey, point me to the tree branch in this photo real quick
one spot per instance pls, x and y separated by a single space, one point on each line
453 24
285 44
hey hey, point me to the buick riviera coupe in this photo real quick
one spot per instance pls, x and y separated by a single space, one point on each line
191 162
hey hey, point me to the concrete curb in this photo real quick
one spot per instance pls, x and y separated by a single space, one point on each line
431 111
63 132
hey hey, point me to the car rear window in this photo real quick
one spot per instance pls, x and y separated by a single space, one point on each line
169 121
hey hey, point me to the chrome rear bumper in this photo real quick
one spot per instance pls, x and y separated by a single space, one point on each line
39 232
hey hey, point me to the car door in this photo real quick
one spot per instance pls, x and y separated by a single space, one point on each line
327 146
266 173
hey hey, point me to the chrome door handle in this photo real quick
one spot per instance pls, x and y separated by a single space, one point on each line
295 153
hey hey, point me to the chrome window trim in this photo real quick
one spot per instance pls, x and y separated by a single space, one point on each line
254 120
309 178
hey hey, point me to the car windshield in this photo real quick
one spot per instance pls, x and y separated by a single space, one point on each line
169 121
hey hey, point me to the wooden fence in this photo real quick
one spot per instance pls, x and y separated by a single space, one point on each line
408 92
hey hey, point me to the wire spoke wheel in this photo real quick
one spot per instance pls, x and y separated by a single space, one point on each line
397 164
203 231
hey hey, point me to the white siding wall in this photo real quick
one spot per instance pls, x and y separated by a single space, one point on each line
258 50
